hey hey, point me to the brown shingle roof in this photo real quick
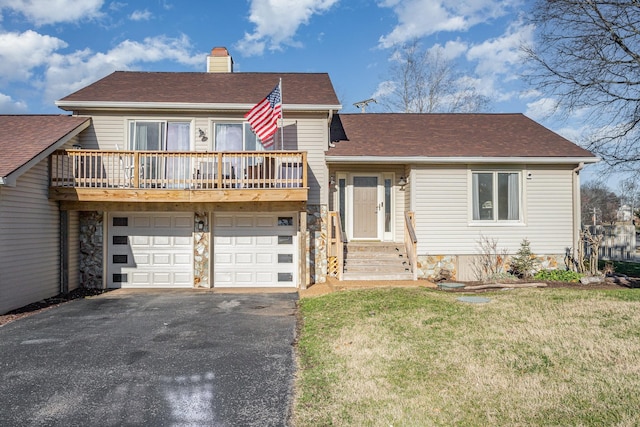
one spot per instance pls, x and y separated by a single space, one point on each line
447 135
24 137
223 88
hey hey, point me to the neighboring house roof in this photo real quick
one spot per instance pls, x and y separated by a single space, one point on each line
25 138
127 87
452 136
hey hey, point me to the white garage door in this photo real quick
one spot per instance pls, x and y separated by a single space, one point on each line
255 250
150 250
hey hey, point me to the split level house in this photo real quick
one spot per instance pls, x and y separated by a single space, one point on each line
156 179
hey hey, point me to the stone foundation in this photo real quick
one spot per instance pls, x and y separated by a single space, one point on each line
460 267
437 267
201 250
317 220
91 249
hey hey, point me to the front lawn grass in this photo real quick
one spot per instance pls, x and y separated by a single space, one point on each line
419 357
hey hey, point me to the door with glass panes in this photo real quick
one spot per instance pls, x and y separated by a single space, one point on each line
156 169
365 204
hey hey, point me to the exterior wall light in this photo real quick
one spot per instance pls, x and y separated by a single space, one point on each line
402 182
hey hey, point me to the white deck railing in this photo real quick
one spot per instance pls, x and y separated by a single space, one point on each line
178 170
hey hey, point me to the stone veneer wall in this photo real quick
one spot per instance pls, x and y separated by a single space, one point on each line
91 249
201 250
317 220
435 267
439 267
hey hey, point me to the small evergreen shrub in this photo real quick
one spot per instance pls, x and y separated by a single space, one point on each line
558 276
523 262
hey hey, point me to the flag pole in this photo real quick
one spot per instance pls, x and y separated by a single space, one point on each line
281 117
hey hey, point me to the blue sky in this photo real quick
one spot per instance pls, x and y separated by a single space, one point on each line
50 48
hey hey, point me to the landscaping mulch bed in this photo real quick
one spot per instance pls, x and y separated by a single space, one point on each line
48 303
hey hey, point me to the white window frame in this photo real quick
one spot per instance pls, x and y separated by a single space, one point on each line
165 122
245 127
495 220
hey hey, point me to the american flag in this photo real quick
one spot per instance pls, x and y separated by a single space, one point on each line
263 117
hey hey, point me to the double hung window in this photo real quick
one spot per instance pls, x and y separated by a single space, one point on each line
496 196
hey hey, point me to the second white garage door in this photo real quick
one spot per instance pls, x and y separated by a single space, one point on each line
255 250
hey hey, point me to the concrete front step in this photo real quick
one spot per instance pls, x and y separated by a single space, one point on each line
376 248
376 261
376 269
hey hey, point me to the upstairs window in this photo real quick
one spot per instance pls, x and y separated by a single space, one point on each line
236 137
496 196
146 135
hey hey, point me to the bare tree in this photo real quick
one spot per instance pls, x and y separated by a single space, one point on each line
425 81
629 193
587 55
599 204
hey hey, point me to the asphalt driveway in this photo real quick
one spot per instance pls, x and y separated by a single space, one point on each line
161 358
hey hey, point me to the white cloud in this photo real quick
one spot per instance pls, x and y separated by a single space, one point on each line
10 106
530 93
68 73
42 12
419 18
140 15
20 53
542 108
277 22
384 89
116 6
502 55
451 49
574 134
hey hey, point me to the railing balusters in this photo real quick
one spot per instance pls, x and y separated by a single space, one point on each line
177 170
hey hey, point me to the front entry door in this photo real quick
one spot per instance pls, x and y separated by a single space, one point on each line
365 207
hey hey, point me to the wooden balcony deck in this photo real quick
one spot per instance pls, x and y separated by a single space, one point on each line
162 176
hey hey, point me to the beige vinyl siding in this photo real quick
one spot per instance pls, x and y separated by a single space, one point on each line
29 241
74 250
443 214
549 209
73 141
311 136
104 133
439 200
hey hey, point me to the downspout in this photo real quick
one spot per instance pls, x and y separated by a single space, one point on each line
577 209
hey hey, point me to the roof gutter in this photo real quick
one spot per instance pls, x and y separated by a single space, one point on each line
110 105
458 160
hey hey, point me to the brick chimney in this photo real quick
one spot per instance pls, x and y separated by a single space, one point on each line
219 61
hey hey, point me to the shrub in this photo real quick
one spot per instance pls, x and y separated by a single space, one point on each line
490 260
558 275
523 262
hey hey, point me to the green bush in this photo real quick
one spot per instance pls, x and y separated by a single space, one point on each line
558 275
523 262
